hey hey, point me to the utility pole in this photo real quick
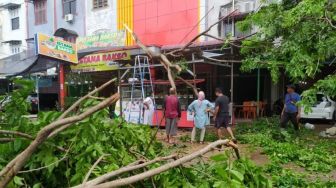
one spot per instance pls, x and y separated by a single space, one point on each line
233 27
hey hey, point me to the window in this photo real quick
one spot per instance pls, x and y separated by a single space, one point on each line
71 38
0 32
69 7
15 20
99 4
40 7
226 28
15 23
15 49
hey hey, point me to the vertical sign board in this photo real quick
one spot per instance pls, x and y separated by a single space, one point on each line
56 48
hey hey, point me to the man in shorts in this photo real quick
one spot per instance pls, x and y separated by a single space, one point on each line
172 110
291 110
221 114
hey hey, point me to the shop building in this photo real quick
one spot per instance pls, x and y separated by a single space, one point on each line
64 19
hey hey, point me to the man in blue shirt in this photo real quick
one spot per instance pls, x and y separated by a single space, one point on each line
291 110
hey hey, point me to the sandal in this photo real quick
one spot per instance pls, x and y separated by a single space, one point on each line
234 140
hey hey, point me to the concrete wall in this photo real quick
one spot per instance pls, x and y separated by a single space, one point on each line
166 22
55 20
46 28
78 25
214 6
101 19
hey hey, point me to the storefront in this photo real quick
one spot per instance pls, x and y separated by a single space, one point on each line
42 65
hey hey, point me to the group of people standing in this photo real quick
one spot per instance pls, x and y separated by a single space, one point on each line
200 109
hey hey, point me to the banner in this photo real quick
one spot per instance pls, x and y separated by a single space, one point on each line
111 39
100 62
55 48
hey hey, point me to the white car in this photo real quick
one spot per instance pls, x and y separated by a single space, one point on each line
325 108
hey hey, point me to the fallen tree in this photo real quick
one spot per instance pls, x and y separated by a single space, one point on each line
66 121
14 166
99 182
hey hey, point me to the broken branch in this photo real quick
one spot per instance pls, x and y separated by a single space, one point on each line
78 102
189 84
128 168
158 170
92 168
14 166
202 33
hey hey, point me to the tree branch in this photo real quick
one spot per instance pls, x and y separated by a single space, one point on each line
189 84
14 166
57 131
16 133
78 102
128 168
202 33
47 166
214 37
163 168
328 20
27 136
92 168
5 140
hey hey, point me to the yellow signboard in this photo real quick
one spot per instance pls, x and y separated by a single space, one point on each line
56 48
100 62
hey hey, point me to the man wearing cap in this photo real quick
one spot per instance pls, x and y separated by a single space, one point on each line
291 110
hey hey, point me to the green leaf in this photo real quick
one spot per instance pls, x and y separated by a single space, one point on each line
18 181
237 175
219 157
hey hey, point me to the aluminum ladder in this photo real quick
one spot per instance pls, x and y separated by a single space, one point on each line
141 84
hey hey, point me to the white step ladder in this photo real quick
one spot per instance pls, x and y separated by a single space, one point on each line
141 84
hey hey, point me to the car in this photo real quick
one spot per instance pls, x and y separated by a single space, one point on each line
324 109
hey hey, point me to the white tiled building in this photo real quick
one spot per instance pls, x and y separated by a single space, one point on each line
13 26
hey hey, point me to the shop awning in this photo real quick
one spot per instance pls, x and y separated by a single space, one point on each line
166 82
61 32
13 41
134 50
10 5
15 64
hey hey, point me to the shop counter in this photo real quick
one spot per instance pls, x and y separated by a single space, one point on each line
183 123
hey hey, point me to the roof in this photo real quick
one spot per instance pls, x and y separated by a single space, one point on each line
61 32
24 63
17 63
13 41
10 5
